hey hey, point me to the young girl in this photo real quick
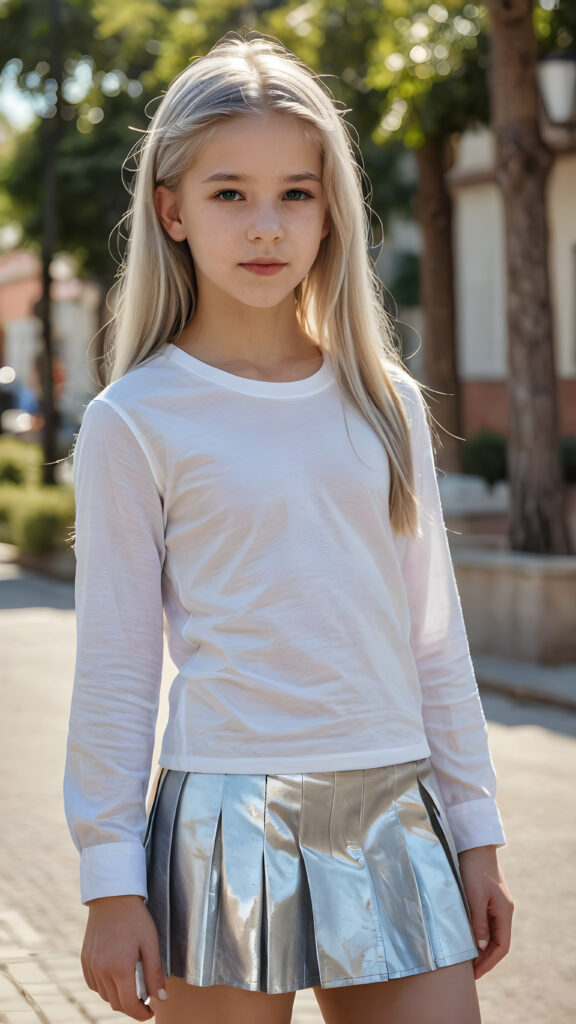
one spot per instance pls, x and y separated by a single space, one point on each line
259 471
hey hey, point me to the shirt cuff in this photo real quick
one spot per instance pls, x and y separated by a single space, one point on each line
113 869
475 823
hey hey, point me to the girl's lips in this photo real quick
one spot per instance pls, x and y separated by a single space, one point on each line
264 269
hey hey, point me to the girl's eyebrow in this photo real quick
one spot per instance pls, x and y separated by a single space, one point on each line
225 176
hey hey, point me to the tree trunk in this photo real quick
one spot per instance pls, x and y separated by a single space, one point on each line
51 129
433 209
537 520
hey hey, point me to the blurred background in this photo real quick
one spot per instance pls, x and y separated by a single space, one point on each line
465 119
465 116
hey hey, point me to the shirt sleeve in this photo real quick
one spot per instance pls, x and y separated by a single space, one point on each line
453 716
119 546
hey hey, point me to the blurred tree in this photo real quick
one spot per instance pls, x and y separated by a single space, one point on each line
86 94
409 76
51 130
32 21
53 70
427 66
430 66
537 520
101 97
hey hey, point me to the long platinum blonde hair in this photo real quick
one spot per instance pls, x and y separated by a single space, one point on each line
338 303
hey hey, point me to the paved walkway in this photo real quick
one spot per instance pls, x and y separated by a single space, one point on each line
42 921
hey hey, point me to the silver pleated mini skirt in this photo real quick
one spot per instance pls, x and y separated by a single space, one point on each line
276 883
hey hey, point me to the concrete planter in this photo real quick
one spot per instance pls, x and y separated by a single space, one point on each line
518 606
476 515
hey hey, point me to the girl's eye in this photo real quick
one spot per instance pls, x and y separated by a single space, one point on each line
229 194
300 193
226 193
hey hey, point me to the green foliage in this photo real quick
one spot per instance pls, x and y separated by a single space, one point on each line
10 471
33 517
20 461
429 66
102 97
405 279
189 31
556 27
42 519
118 57
484 455
10 496
91 198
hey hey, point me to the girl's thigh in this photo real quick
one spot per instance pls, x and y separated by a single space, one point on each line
220 1004
445 996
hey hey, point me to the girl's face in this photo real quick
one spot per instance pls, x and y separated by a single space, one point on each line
254 193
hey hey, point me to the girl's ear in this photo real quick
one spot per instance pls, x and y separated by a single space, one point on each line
168 211
326 227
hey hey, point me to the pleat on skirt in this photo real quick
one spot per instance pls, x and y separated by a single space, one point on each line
276 883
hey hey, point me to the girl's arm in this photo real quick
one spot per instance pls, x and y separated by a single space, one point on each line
119 619
453 716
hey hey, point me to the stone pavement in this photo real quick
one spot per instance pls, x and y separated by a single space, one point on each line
42 921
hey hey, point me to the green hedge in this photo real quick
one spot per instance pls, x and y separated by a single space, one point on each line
20 461
37 519
10 496
485 455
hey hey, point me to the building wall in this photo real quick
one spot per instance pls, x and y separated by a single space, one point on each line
485 404
480 272
20 284
75 322
480 283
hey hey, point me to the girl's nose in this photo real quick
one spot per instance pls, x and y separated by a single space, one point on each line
265 225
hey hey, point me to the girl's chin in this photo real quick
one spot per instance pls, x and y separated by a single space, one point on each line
257 293
270 301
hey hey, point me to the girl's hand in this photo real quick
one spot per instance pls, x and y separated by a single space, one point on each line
119 933
491 905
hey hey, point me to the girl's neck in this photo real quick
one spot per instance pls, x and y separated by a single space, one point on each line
271 342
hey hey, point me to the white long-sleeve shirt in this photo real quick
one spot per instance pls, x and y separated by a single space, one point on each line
250 519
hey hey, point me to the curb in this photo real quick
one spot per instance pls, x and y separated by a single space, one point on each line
554 685
526 693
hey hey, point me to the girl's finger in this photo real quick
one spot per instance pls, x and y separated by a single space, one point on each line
126 998
153 972
86 969
107 991
486 961
89 977
500 936
502 929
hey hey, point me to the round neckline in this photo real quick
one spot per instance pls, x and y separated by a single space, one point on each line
248 385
